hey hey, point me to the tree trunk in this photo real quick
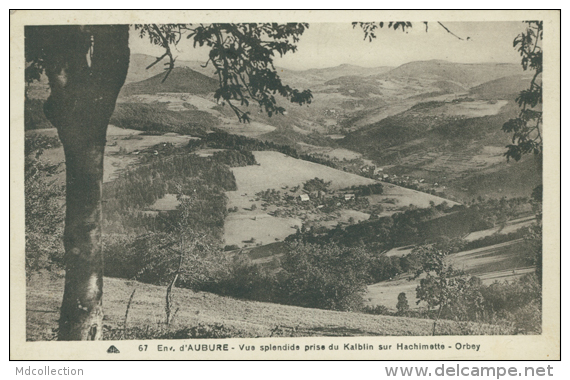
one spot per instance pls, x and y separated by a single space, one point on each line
86 67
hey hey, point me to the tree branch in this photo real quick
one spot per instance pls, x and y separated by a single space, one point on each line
449 31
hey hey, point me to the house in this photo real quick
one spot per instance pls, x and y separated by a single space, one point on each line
348 197
304 197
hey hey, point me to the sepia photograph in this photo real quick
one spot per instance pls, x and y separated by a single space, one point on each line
284 183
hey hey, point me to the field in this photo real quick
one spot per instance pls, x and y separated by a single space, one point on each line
252 129
242 318
499 262
405 197
257 228
121 150
278 171
510 226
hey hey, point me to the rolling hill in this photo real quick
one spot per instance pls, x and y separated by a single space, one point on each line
180 80
465 74
503 88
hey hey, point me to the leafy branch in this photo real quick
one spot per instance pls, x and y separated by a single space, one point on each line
370 28
242 55
526 128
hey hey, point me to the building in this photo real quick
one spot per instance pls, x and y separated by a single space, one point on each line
348 197
304 197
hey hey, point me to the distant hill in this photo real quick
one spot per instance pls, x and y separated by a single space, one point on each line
181 79
502 88
346 70
312 77
466 74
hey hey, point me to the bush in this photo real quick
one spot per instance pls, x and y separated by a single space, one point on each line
377 310
244 279
326 277
402 306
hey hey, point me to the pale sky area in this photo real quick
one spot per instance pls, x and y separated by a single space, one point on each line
332 44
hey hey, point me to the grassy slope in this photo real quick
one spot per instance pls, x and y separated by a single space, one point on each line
245 318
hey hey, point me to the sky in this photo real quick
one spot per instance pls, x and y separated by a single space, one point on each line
333 44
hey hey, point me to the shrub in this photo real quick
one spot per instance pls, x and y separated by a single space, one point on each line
244 279
327 277
377 310
402 306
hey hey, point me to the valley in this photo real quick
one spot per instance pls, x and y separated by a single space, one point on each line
382 161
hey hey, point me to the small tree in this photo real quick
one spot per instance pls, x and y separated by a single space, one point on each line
402 306
443 286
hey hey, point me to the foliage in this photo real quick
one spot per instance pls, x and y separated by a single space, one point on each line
370 28
518 302
43 204
242 55
526 128
327 277
451 294
533 242
143 185
235 158
244 279
316 184
224 140
402 306
366 190
423 225
154 258
160 331
444 288
34 117
496 238
157 118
